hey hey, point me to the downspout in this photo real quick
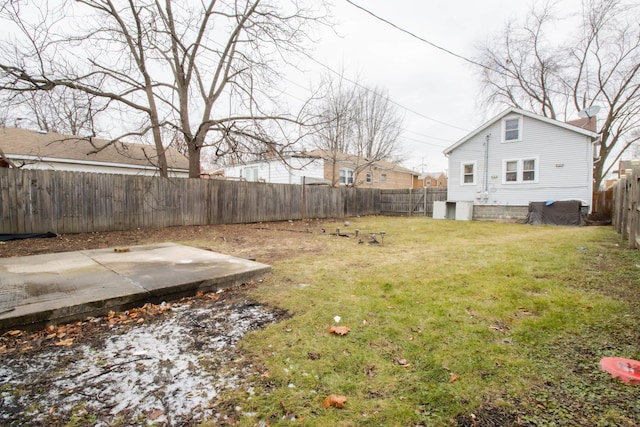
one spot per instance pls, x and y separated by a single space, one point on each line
486 166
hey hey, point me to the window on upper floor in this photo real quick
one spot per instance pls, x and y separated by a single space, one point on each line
512 129
383 177
369 178
346 176
468 170
520 171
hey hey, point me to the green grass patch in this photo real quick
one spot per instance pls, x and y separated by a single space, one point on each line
504 321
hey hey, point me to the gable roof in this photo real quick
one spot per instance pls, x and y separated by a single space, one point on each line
28 145
513 110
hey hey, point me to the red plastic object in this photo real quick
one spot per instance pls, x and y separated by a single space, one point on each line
627 370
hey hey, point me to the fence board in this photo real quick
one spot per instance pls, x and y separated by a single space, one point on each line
412 201
626 207
72 202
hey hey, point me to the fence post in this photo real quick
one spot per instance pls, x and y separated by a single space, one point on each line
633 205
425 201
304 196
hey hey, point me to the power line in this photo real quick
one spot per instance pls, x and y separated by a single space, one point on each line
420 141
450 52
447 140
388 99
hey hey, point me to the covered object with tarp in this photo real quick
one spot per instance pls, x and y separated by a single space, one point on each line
568 212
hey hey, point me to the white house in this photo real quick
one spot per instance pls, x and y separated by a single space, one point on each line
289 170
324 167
520 157
30 149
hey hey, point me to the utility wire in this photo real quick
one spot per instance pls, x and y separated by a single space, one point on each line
471 61
388 99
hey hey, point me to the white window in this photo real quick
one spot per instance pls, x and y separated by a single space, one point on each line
512 129
346 176
511 171
369 178
520 171
529 170
468 171
383 177
251 174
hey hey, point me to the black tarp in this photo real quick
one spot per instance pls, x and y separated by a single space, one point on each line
566 212
6 237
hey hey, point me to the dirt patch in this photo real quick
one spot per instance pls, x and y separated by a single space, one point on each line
265 242
163 364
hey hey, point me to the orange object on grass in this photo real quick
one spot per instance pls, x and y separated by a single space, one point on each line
628 370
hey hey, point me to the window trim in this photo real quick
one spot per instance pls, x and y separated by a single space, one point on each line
383 177
349 177
369 178
520 171
251 173
474 163
520 128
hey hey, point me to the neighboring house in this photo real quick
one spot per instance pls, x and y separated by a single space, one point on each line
324 167
431 180
29 149
623 165
520 157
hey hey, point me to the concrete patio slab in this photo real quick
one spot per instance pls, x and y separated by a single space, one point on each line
56 288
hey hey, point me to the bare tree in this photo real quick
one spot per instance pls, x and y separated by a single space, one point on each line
202 70
378 125
334 121
358 121
59 110
601 67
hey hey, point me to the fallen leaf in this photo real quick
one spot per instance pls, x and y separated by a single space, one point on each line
213 297
14 332
402 362
334 400
339 330
65 343
453 378
155 414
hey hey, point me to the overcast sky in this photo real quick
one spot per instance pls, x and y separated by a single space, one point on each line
418 76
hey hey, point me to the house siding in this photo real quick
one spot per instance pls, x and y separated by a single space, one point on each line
564 166
276 172
394 179
97 167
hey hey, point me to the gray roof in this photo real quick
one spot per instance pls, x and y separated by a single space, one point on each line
28 144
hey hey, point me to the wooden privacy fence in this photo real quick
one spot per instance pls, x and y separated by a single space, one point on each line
602 205
33 201
418 201
626 206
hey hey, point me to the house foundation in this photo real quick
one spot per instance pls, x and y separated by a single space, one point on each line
500 213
